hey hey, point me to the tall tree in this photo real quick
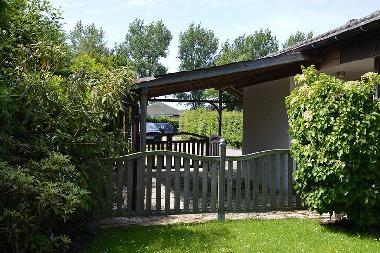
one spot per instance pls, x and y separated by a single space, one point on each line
297 38
197 49
88 39
248 47
145 45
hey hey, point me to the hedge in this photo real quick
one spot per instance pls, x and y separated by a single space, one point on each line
205 122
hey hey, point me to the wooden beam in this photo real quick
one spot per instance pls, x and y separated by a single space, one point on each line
233 68
143 113
271 75
191 101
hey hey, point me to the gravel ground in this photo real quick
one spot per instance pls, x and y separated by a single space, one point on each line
197 218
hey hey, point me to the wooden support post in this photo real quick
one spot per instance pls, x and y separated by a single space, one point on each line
135 127
220 111
143 112
136 147
169 142
126 125
221 182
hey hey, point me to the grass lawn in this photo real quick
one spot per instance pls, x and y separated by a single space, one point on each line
288 235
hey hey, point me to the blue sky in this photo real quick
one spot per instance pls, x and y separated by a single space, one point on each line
228 18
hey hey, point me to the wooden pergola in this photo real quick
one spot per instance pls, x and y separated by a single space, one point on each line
230 78
357 39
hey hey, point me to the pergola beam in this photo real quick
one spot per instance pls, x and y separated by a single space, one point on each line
192 101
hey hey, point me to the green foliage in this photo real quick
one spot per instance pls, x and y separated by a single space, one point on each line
197 48
297 38
205 122
335 130
31 38
248 47
145 45
38 195
88 39
58 118
88 65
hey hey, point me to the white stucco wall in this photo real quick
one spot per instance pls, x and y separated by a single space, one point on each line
265 118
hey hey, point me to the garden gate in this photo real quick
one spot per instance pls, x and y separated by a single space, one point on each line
171 182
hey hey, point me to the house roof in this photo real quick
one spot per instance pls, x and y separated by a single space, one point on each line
233 77
158 109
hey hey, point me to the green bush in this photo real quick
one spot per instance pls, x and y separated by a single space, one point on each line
38 195
205 122
52 100
335 130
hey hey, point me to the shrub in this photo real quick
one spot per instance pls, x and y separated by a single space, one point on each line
335 130
205 122
37 196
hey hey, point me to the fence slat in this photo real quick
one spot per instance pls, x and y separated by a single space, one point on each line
129 185
158 183
149 168
195 185
214 185
273 182
186 176
193 144
247 182
119 182
264 178
238 186
255 172
229 185
140 185
204 186
167 183
177 190
290 181
282 178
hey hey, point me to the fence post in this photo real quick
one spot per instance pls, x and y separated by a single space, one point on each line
222 166
169 141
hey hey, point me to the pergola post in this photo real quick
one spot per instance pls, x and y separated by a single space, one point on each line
143 112
135 127
220 112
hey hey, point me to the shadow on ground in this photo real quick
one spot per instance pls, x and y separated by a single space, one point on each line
348 228
167 238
